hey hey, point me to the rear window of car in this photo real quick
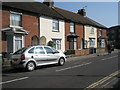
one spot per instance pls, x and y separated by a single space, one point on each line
20 51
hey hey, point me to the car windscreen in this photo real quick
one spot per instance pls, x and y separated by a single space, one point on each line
20 51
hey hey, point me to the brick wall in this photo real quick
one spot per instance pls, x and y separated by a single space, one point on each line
30 23
79 31
5 18
67 31
5 24
78 52
104 33
82 52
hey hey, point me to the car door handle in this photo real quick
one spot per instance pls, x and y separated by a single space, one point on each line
32 57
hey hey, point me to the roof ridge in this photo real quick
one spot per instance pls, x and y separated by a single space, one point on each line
69 11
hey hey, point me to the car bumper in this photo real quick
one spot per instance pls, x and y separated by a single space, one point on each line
20 65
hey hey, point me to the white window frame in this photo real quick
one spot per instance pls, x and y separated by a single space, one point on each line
55 22
102 43
14 38
57 43
92 30
91 44
100 32
72 27
16 13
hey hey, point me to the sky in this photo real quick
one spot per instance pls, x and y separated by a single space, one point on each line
105 13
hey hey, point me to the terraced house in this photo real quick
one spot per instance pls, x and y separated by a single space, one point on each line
34 23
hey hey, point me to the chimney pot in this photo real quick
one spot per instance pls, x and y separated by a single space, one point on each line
49 3
82 12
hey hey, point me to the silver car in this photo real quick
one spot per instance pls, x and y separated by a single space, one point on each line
31 57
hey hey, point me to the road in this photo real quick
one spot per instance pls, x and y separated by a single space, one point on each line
90 72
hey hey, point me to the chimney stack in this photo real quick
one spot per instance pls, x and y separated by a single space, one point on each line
82 12
49 3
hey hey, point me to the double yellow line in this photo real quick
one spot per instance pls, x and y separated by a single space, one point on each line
102 80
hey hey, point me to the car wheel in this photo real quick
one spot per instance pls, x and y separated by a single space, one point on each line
30 66
61 61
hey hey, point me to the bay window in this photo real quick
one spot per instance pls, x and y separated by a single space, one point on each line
57 44
92 42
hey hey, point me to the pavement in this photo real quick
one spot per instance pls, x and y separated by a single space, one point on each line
8 67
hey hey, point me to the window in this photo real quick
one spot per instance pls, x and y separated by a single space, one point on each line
73 44
57 44
100 32
31 51
48 50
119 30
92 42
55 26
15 19
91 30
18 42
102 43
72 28
39 50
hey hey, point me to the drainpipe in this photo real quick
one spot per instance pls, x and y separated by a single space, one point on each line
83 36
39 30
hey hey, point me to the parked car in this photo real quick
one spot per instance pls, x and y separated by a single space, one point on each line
31 57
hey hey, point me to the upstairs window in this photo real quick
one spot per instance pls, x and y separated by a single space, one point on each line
100 32
55 25
72 28
15 19
91 30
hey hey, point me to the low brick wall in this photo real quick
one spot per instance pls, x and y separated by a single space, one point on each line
78 52
82 52
100 50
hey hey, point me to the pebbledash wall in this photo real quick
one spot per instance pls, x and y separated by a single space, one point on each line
47 34
29 23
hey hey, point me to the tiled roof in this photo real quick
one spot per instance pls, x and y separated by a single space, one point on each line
115 27
35 7
78 18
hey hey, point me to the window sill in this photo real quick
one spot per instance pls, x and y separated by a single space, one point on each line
55 31
16 27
